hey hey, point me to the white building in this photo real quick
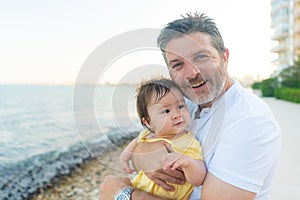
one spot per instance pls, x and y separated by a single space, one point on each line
285 16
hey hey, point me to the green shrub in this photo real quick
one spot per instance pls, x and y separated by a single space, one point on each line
268 87
288 94
290 83
256 85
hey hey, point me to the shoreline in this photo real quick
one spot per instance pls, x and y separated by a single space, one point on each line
83 183
47 176
84 180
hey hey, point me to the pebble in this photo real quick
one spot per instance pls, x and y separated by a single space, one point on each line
84 182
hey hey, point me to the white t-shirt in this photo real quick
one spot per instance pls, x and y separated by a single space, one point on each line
240 139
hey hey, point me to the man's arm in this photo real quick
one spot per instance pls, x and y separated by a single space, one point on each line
149 157
215 189
112 185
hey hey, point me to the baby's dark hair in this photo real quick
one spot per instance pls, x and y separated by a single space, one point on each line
149 90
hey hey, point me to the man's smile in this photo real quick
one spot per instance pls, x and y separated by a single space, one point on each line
195 85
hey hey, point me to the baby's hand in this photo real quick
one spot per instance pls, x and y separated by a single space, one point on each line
126 156
175 160
124 165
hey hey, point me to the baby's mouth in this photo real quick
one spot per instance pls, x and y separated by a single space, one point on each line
178 123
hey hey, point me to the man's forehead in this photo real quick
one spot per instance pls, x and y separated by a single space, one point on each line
187 45
192 39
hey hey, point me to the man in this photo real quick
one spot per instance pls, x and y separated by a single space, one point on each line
240 137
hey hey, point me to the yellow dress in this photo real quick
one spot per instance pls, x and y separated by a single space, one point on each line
185 144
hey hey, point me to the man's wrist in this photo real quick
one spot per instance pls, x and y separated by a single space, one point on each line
125 193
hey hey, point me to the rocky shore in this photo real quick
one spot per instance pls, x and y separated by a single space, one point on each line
83 183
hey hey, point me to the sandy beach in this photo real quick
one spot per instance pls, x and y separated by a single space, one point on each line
84 182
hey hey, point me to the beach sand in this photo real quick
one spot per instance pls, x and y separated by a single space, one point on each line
84 182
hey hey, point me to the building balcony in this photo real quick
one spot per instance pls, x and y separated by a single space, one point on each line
283 19
279 48
297 43
297 52
297 13
280 34
279 6
297 28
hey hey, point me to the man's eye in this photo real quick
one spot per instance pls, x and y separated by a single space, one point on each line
177 66
202 57
181 106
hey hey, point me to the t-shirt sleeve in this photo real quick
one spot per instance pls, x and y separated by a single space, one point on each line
246 152
196 150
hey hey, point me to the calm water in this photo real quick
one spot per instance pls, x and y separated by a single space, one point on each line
42 133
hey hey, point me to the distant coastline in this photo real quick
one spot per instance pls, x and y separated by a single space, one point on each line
246 81
68 84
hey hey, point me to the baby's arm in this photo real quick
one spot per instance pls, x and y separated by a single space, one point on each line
194 170
126 156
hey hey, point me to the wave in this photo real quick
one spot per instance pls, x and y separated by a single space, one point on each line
25 178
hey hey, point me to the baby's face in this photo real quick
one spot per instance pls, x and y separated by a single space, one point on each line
170 115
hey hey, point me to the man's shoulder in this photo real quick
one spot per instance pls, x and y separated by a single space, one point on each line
241 100
247 112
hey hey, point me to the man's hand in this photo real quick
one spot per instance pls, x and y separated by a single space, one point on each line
161 177
111 186
151 164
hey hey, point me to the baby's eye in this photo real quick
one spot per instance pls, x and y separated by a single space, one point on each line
166 111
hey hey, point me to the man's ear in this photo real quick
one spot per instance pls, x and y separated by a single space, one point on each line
226 57
146 122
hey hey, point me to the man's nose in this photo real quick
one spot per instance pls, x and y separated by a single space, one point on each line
191 71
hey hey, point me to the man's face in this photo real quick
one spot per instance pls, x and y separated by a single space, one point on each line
196 66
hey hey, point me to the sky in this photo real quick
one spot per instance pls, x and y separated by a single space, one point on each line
48 42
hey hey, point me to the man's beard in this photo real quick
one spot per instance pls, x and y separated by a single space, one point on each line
217 85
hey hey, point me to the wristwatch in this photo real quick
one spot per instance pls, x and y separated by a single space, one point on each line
125 194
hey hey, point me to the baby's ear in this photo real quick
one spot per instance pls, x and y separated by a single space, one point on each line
146 122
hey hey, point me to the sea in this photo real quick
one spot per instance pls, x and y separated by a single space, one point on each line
47 131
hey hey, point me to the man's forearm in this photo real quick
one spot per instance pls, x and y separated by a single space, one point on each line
141 195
